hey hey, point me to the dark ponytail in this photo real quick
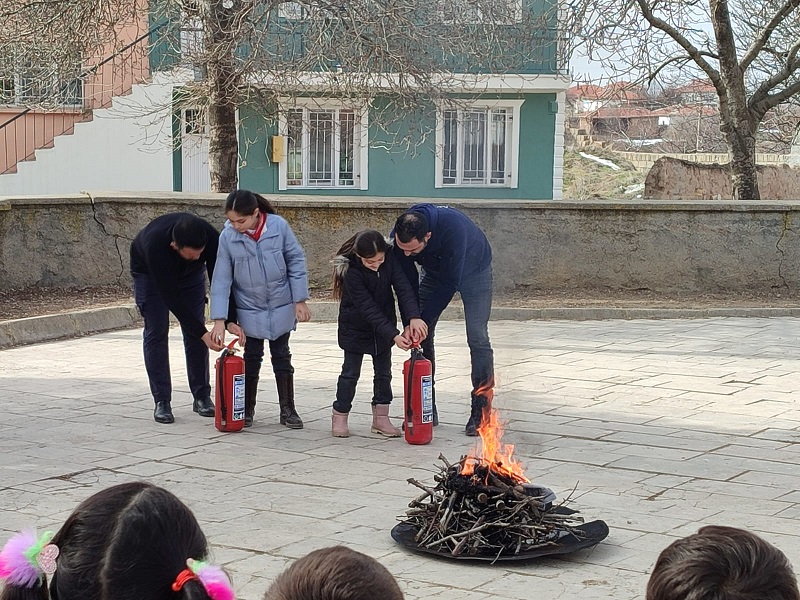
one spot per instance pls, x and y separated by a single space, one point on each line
38 592
244 202
366 244
127 542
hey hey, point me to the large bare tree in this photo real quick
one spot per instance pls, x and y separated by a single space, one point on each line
400 57
748 50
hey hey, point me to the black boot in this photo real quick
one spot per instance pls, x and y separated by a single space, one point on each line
435 413
479 403
163 413
289 416
250 393
203 407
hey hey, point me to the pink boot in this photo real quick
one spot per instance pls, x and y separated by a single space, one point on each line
339 424
381 423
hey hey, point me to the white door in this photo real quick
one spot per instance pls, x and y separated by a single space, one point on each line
194 151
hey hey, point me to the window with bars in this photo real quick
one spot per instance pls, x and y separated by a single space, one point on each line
36 79
297 11
194 122
479 11
478 146
324 148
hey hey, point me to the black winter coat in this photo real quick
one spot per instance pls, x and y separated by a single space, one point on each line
367 314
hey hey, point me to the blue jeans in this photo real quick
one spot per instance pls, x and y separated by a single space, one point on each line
476 294
351 371
156 338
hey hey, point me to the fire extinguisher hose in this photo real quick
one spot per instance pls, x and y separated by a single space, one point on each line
221 380
410 390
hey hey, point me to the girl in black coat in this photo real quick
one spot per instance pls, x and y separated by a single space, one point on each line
364 276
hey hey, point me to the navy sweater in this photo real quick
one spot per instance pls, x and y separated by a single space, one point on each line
456 249
152 255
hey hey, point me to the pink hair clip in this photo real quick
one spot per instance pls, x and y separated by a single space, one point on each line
213 578
25 558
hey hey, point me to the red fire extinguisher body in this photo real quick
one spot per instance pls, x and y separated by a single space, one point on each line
418 387
229 391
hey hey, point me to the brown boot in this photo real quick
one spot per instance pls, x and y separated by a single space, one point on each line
381 423
250 393
289 416
339 424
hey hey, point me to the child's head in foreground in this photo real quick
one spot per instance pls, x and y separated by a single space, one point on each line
722 563
335 573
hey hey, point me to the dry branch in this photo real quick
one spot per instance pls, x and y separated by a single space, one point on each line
484 514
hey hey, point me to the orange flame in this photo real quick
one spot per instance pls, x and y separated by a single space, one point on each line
490 451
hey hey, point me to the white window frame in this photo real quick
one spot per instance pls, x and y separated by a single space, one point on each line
474 15
292 11
360 143
296 11
512 143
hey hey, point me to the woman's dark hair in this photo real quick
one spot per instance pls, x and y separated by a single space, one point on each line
244 202
366 244
722 563
190 232
336 573
127 542
411 225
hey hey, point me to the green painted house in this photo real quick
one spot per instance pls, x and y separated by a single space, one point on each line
491 136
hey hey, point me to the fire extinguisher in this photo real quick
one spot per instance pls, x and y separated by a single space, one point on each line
418 387
229 391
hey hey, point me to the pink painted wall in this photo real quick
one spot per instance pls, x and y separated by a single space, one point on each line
38 128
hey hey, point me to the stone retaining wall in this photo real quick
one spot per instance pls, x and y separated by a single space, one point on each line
662 246
674 179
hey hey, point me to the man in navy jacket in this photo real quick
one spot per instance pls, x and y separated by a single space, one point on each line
169 261
454 256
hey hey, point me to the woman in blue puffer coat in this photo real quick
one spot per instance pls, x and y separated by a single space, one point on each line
260 260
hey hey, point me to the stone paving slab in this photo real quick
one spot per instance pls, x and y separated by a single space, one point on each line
659 427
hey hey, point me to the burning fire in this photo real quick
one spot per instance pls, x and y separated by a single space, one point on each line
490 451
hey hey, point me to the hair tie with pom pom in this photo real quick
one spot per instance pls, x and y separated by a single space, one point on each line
213 578
25 558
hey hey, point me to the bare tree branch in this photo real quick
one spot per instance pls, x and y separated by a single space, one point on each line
694 53
759 42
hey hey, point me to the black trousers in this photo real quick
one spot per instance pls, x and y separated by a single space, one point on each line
351 371
279 354
156 338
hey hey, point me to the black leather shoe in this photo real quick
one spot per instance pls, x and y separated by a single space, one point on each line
203 407
163 413
248 419
435 415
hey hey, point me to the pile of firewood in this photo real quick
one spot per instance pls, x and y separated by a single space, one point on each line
486 513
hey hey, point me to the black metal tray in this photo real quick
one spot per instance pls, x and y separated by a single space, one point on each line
587 535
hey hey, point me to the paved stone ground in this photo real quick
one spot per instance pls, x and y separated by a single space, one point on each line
663 426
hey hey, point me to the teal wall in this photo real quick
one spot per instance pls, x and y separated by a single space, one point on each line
398 173
165 35
528 46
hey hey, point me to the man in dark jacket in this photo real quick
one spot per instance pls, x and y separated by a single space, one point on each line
454 256
169 261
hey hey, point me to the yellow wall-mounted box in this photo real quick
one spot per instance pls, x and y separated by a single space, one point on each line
277 148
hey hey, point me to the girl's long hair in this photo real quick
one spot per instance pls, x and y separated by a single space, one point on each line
126 542
366 244
245 202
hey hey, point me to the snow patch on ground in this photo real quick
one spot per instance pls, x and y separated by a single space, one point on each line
602 161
